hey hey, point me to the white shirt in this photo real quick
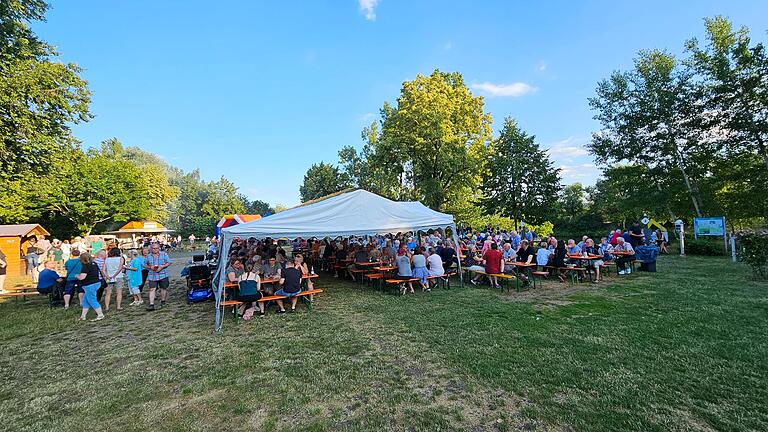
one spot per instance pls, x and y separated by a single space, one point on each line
112 264
435 265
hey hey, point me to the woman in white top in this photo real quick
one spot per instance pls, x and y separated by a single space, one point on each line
113 267
435 264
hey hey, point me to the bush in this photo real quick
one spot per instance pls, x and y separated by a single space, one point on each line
704 247
753 250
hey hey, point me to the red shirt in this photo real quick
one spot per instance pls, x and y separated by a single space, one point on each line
492 259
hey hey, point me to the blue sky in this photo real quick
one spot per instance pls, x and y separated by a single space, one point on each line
257 91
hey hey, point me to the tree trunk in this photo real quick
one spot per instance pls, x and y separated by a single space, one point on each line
669 210
694 194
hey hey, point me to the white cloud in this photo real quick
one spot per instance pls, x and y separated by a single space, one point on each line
512 90
368 8
367 117
541 67
586 173
568 148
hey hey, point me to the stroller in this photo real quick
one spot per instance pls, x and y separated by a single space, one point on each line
199 287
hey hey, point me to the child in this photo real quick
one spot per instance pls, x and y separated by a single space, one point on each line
135 277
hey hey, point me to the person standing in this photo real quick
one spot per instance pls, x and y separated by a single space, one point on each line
636 236
100 259
3 270
90 280
113 267
74 267
66 250
33 258
135 279
157 263
144 270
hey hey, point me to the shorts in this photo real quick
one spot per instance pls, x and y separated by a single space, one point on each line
71 285
119 283
163 283
286 294
134 290
597 263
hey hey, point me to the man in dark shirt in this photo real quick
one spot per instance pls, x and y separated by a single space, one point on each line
636 234
447 255
524 255
291 282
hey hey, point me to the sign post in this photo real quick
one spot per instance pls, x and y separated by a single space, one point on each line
710 226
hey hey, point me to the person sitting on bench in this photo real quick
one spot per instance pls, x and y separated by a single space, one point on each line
250 292
404 272
48 278
621 260
291 286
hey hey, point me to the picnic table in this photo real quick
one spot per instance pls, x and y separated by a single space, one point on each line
527 268
587 258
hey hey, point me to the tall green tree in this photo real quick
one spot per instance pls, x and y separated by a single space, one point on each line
320 180
521 182
650 117
572 201
40 98
201 204
99 189
734 87
434 140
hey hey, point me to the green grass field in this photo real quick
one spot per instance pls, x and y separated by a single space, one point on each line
682 349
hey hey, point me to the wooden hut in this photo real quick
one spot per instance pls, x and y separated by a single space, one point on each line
128 234
13 241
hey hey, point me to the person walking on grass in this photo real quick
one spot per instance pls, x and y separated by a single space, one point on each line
144 270
134 272
157 263
90 280
74 267
113 267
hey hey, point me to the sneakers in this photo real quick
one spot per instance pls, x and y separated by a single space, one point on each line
622 272
162 303
151 307
280 312
629 271
473 282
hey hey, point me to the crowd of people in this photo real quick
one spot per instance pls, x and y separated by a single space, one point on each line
491 252
97 278
261 268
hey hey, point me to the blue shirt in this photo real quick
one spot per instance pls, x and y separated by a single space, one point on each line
74 267
529 236
573 250
134 276
542 256
47 279
516 242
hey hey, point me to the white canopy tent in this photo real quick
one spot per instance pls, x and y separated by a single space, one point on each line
355 213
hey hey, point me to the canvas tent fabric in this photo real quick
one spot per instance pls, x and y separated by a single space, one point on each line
355 213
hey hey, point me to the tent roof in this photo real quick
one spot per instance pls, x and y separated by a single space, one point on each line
141 227
21 230
358 212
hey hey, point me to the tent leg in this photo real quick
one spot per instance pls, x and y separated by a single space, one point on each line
458 254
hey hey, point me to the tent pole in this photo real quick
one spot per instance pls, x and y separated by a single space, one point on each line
458 253
220 277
